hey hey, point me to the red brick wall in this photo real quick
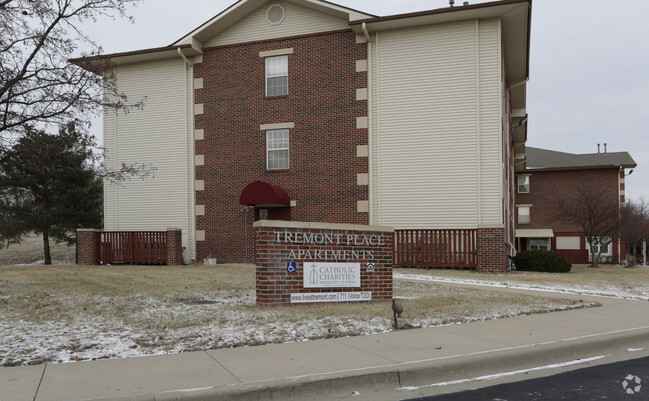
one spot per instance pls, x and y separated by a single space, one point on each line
547 187
174 247
322 178
492 250
275 284
87 241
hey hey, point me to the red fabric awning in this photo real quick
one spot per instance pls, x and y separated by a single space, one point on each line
260 193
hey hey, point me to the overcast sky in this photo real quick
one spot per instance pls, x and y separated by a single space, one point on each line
589 72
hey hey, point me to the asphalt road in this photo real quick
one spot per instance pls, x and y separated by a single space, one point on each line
627 381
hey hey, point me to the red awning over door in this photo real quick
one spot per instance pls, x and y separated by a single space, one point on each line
263 194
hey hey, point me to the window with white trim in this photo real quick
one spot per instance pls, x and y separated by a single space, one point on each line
602 245
276 76
523 184
277 149
523 215
540 243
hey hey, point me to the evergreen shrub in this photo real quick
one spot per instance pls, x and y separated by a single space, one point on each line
541 261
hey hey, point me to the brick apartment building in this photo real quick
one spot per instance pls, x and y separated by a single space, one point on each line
551 176
307 110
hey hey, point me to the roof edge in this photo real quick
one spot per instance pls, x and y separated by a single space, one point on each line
439 11
124 54
595 167
234 6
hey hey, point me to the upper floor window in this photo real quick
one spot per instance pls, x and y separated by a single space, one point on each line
277 149
523 184
276 76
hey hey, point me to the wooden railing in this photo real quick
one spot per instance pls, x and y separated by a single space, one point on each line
435 248
144 247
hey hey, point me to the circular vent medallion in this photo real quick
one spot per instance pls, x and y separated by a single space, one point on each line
275 14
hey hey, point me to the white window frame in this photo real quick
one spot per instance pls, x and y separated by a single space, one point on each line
270 75
528 214
547 247
525 185
607 252
272 146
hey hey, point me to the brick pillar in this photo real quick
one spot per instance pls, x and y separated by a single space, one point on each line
174 247
492 250
87 246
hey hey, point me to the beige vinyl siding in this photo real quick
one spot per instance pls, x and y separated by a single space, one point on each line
491 133
428 127
299 21
160 134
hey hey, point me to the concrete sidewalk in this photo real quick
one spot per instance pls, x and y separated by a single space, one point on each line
397 365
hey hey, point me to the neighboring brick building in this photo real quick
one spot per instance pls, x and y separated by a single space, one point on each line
310 111
551 176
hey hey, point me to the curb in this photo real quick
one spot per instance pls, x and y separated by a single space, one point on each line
394 376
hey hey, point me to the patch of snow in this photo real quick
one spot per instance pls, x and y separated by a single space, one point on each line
544 287
42 262
174 325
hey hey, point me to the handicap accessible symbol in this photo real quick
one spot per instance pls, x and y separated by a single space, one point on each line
291 267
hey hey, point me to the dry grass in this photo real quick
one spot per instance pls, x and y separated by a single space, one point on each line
30 251
61 313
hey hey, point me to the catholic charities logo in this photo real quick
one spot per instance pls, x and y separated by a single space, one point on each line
313 275
331 275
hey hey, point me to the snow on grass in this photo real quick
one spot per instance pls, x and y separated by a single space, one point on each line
62 314
160 328
639 291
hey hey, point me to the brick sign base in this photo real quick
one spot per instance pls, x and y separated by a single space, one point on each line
332 254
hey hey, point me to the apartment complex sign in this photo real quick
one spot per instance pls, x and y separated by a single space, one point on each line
331 275
304 262
328 240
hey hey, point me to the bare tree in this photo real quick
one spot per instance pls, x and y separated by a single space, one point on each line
634 226
596 211
38 85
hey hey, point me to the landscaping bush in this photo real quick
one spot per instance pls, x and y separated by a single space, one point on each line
541 261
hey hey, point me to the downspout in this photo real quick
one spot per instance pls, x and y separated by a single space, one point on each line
478 123
519 83
370 159
116 192
189 63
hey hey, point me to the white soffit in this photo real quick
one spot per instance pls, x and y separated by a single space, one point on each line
534 233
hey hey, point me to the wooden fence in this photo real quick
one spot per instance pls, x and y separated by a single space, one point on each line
435 248
142 247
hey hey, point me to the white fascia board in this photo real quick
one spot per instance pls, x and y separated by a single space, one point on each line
243 8
332 9
221 21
